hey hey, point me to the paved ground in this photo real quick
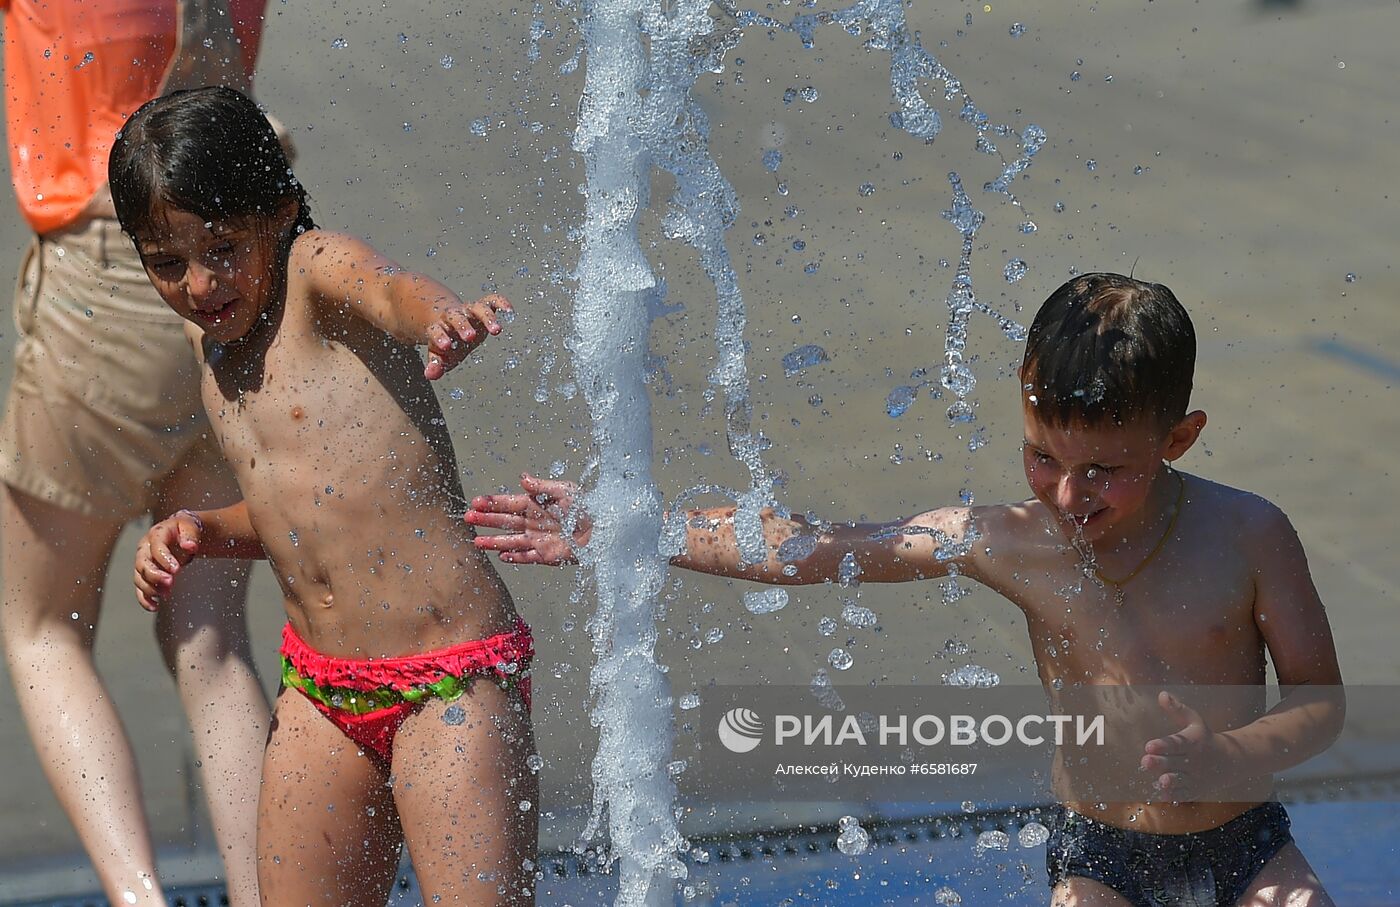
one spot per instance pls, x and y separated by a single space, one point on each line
1243 156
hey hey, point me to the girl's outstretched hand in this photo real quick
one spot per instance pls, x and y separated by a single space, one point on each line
533 522
167 546
460 328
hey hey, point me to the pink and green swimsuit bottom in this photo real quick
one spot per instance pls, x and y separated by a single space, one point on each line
369 699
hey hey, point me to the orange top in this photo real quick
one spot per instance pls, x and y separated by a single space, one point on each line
74 71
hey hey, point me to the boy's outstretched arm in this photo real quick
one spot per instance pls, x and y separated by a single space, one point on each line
1309 715
350 274
184 535
797 551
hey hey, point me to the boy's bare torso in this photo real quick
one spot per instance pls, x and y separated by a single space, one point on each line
1188 619
349 476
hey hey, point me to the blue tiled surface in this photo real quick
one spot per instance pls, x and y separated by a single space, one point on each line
1354 847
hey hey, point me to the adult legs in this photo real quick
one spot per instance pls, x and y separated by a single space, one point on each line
327 829
203 636
54 563
468 803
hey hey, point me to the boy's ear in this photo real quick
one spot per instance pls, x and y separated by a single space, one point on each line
1184 434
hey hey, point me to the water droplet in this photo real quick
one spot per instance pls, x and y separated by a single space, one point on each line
456 393
810 267
296 540
1059 207
947 897
848 570
1015 269
714 635
340 44
1028 227
454 715
534 762
689 701
857 616
1138 170
557 469
789 95
129 896
407 127
993 840
798 245
810 94
796 548
783 188
803 357
1074 77
840 659
447 62
1017 29
866 190
87 58
968 806
972 677
766 601
1351 277
526 806
1091 164
960 411
827 626
1032 834
958 379
479 126
899 400
772 160
853 840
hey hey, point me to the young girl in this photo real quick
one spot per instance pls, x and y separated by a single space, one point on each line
403 715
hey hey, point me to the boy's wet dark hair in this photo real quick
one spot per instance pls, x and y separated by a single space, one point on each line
1106 349
208 151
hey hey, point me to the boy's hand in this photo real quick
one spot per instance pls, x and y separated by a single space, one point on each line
1190 763
458 329
168 546
533 522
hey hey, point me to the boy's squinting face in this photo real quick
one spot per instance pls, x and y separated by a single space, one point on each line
218 275
1099 477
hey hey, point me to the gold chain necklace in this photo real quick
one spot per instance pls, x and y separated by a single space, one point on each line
1118 584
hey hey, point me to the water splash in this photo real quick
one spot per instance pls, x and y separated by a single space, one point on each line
637 113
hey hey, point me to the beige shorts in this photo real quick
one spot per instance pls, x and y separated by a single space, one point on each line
104 403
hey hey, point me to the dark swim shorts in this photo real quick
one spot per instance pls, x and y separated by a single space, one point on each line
1213 867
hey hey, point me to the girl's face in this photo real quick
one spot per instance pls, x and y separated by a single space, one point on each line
219 275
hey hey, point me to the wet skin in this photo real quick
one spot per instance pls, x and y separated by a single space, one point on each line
324 409
1228 581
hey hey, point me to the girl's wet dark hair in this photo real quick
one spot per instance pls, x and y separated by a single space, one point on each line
208 151
1107 349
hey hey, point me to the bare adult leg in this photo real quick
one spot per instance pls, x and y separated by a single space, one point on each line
327 829
468 802
54 563
203 635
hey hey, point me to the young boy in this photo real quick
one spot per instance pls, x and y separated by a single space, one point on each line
1183 580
